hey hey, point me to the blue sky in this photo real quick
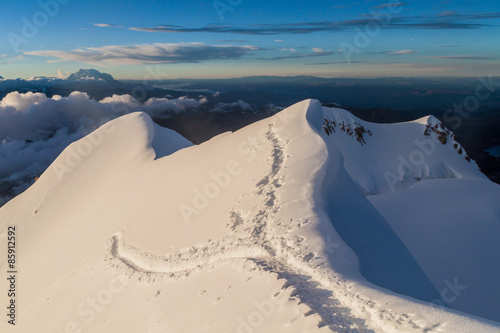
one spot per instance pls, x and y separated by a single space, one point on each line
232 38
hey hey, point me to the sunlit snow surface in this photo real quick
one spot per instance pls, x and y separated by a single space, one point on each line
278 227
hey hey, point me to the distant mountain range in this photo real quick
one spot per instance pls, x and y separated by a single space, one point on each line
82 74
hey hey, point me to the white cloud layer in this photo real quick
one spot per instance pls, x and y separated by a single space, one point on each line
148 53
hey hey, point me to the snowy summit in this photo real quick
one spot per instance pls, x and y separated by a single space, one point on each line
91 74
309 221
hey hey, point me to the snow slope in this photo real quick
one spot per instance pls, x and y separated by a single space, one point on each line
437 201
268 229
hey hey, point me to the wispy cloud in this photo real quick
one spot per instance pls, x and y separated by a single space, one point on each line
106 25
148 53
315 52
232 41
335 63
5 59
463 57
452 20
319 50
400 52
393 52
390 5
448 13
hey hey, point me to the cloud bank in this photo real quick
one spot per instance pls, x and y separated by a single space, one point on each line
157 53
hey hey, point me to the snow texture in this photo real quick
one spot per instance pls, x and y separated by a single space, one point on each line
300 222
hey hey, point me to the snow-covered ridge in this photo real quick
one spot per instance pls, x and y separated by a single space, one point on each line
268 222
396 156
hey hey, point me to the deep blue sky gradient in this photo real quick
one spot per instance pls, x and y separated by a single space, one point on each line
412 44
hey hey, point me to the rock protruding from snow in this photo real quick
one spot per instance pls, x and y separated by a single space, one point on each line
356 132
439 132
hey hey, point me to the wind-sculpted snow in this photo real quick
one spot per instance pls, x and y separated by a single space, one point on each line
384 158
261 230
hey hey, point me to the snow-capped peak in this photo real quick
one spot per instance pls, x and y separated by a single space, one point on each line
91 74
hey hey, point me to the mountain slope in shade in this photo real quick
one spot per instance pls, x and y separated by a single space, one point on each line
263 230
435 198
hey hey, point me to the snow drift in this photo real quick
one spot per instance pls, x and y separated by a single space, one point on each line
308 221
